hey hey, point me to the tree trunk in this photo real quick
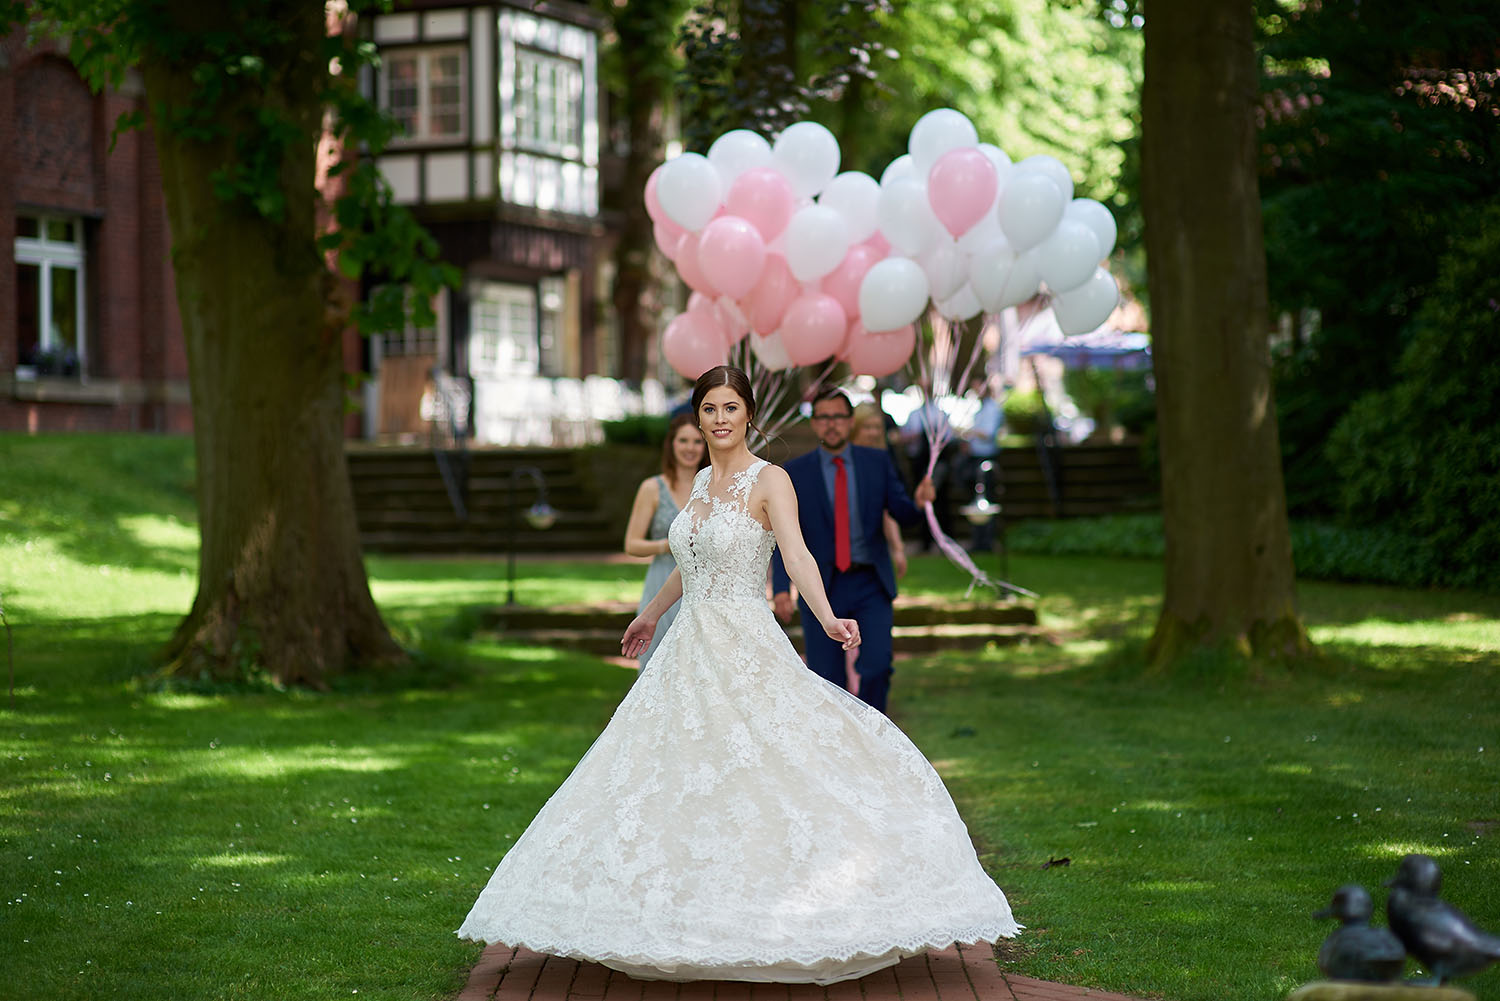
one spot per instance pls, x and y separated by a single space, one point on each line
644 47
1229 574
282 589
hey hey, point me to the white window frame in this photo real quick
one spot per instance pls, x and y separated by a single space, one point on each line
425 57
551 86
504 352
46 255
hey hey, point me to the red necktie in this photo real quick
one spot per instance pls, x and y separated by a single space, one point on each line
841 557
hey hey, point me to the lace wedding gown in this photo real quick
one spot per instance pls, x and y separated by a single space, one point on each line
741 818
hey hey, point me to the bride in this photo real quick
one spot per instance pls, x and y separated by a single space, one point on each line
740 818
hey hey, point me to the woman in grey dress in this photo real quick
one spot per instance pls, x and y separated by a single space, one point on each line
657 501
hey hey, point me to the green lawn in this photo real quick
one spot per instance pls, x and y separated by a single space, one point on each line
159 843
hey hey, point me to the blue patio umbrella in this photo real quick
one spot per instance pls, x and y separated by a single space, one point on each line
1115 349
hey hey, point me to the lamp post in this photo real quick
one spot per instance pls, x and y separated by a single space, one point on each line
981 510
540 516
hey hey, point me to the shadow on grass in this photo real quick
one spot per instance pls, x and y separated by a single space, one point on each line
131 503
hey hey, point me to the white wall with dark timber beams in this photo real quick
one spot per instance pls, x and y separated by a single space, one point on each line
498 103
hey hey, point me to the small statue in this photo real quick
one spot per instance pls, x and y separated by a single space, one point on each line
1355 951
1436 933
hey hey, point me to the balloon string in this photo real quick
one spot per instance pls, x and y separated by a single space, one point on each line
938 431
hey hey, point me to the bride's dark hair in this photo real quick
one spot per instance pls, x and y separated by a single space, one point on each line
724 375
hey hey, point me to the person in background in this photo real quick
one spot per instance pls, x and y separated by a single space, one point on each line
657 501
870 432
842 491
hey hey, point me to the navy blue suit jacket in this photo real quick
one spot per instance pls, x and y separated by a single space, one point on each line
879 489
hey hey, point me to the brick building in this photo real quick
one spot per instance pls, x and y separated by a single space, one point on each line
501 161
89 337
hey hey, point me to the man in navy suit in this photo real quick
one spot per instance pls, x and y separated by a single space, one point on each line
842 492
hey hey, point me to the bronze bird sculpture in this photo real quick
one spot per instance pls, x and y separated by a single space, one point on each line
1436 933
1355 951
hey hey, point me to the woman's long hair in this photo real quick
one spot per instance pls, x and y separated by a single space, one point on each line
669 451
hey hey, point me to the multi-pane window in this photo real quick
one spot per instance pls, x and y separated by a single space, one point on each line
503 334
423 89
50 294
549 103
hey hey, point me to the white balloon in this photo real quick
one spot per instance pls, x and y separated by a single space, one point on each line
1097 218
989 272
961 305
856 198
998 157
936 133
1067 258
735 152
1086 307
984 232
946 268
893 294
902 166
816 241
1049 166
1030 207
905 217
769 351
808 155
1022 282
689 190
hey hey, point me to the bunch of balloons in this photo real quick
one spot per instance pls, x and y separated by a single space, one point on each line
813 264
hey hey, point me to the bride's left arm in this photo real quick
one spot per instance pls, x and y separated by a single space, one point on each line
780 506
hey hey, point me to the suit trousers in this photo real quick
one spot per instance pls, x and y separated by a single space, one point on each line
854 594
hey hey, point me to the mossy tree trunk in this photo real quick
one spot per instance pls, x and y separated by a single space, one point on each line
1229 574
281 586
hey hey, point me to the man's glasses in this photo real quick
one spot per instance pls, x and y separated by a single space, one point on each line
825 418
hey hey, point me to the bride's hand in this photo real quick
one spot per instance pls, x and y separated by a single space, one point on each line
637 636
844 631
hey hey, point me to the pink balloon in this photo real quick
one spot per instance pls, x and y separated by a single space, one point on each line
731 254
692 345
879 354
772 294
960 187
653 203
732 319
763 196
843 281
689 268
813 328
877 242
668 235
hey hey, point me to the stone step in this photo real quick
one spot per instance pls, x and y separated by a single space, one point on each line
603 642
912 613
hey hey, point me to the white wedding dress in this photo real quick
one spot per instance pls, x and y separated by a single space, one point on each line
741 818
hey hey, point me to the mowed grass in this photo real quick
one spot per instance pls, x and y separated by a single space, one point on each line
159 842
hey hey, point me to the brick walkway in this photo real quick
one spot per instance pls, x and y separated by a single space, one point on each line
957 973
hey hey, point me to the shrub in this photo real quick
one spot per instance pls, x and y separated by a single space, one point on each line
1423 457
637 429
1023 412
1320 550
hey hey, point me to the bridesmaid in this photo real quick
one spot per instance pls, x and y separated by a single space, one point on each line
657 501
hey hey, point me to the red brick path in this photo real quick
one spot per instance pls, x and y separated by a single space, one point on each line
957 973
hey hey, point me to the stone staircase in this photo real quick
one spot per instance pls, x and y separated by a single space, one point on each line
923 625
403 505
1093 480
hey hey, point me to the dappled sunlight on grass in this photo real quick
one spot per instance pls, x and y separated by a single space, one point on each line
237 859
1464 631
